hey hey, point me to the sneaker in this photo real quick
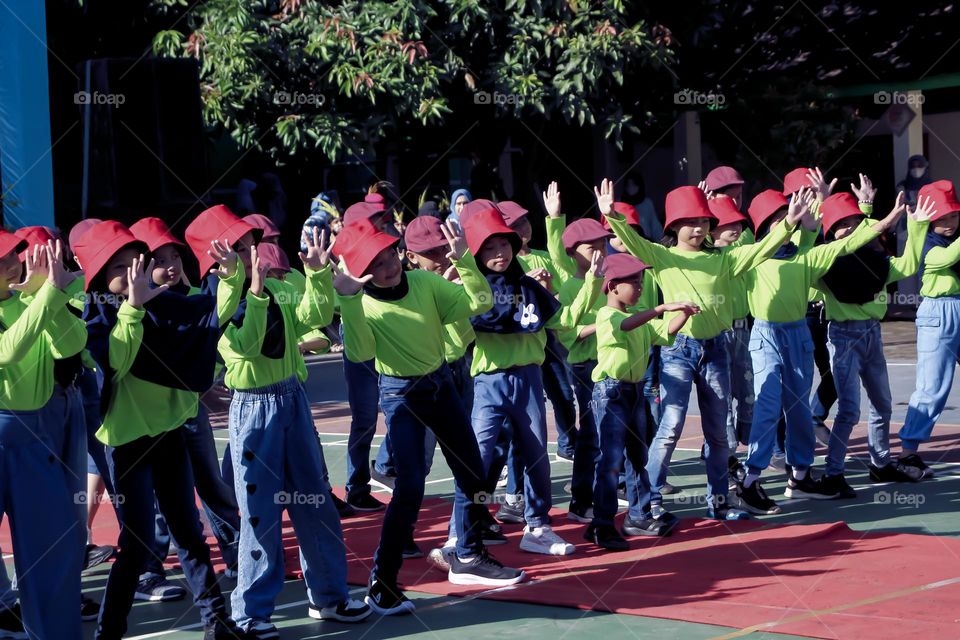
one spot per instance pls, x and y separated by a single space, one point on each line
668 489
664 517
755 500
822 431
622 496
260 630
411 550
366 502
778 462
483 569
158 589
503 479
913 460
439 558
544 540
565 455
736 470
647 527
343 509
492 537
511 513
11 623
382 478
835 486
347 611
806 488
726 512
388 600
577 513
606 537
89 610
226 630
895 472
98 555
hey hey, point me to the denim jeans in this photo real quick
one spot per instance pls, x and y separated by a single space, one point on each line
46 534
856 351
703 363
89 383
651 392
782 355
826 394
938 342
556 382
618 408
147 467
411 406
740 417
588 447
362 392
512 400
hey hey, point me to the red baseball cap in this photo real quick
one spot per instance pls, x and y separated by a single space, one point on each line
836 208
265 224
944 197
725 210
628 211
423 234
796 179
11 242
271 256
765 204
477 206
721 177
34 236
686 203
216 223
581 231
486 222
359 243
621 266
512 212
81 228
362 211
99 244
154 232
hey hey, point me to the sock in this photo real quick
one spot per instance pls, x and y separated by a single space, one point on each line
799 474
751 478
513 499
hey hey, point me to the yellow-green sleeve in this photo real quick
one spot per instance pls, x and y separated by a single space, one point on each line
821 258
939 258
315 309
19 338
907 264
652 253
562 261
807 239
66 332
125 339
570 316
246 341
359 343
749 256
229 291
455 302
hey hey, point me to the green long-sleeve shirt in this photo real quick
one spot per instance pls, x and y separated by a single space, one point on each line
939 280
579 349
33 334
565 264
702 277
540 259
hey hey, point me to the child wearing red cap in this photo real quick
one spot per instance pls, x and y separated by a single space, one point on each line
937 319
508 388
47 536
382 306
781 348
623 344
698 356
855 301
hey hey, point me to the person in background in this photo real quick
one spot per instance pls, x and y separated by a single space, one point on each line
459 198
650 222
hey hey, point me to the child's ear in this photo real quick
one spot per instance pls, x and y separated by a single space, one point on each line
412 258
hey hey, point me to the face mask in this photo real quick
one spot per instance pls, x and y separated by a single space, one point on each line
918 172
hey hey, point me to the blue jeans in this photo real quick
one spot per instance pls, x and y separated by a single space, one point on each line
362 391
856 351
148 467
588 447
938 342
782 355
825 395
618 408
703 363
741 386
46 534
277 465
512 400
556 382
89 383
411 406
651 392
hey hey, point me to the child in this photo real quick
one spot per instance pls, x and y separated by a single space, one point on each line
623 344
698 356
725 181
855 296
382 308
937 319
47 536
781 348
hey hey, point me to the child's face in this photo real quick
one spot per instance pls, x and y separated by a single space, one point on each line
386 269
523 229
10 270
727 234
168 267
692 231
496 253
846 226
242 247
628 291
115 272
583 252
459 204
336 226
947 225
736 192
434 260
775 218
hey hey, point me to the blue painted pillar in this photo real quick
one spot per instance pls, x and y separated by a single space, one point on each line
26 165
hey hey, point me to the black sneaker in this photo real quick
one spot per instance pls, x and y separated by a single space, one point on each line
511 513
158 589
483 569
664 517
646 527
259 630
895 472
492 537
606 537
97 555
565 455
343 509
735 469
755 500
11 623
347 611
836 486
388 600
89 610
580 513
366 502
913 460
411 550
809 488
224 630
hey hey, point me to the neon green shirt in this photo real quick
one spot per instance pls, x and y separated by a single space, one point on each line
939 280
540 259
623 355
579 349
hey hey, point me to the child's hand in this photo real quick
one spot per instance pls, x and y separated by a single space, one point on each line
345 283
458 244
318 251
867 192
604 196
226 258
799 205
542 276
887 223
924 209
452 275
686 308
139 292
819 184
551 200
596 264
36 270
258 272
702 185
57 274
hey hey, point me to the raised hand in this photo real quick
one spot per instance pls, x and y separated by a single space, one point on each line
819 184
604 196
57 273
924 209
344 282
139 292
318 251
35 272
898 208
596 264
452 274
454 237
226 258
799 205
258 272
551 200
702 185
866 192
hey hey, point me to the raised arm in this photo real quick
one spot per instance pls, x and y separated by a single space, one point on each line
918 222
555 224
455 302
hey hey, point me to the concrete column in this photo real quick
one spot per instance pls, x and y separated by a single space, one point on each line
687 157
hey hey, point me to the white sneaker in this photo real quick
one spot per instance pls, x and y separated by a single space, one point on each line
544 540
502 480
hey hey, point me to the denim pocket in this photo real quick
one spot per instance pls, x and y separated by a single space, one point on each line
928 334
757 357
